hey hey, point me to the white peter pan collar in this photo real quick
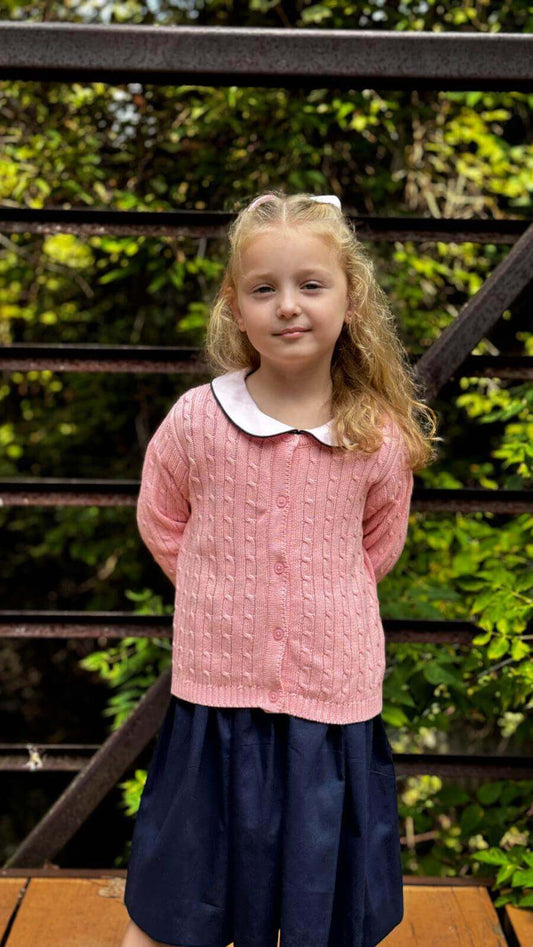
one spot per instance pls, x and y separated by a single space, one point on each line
232 395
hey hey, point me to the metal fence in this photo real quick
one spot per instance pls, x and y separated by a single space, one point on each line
262 57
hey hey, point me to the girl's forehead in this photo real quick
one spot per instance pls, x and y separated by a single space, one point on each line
307 247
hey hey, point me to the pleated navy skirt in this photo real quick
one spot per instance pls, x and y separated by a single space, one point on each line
251 823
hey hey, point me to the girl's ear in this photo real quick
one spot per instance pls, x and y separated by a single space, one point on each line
232 298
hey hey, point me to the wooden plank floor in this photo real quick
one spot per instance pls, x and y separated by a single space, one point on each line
69 908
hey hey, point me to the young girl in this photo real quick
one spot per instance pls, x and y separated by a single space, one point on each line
275 498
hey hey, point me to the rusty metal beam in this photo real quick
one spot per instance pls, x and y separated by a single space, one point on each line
54 871
475 500
248 56
45 757
511 367
455 765
54 758
446 355
17 623
208 223
97 778
70 357
69 624
57 491
180 360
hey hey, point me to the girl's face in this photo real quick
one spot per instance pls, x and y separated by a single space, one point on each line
287 279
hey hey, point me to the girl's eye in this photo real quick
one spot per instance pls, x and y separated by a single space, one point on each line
311 283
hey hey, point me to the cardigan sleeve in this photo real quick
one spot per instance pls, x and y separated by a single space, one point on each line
387 506
163 507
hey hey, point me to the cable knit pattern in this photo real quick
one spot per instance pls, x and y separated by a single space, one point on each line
275 545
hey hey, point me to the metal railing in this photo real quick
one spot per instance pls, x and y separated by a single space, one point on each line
264 57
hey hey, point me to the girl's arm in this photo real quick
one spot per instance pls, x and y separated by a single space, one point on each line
163 507
386 513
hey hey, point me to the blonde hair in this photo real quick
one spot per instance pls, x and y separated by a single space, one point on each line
370 371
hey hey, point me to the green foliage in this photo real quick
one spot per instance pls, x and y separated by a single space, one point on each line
137 146
486 825
515 874
134 664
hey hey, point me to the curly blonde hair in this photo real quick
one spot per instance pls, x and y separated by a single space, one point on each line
370 370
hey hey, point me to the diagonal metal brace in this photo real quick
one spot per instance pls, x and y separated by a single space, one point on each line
477 317
93 783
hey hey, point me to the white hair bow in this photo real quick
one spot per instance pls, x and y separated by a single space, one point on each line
327 199
322 198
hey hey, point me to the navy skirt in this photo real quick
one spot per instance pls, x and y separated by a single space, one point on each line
254 823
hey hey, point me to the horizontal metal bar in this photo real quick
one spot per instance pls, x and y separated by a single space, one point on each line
41 757
457 765
512 367
56 872
54 758
16 623
207 223
69 624
432 500
55 491
248 56
72 357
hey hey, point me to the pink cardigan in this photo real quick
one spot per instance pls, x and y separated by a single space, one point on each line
275 543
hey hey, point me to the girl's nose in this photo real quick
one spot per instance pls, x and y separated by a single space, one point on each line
288 303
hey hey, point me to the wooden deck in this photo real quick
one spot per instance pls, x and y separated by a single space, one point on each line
84 908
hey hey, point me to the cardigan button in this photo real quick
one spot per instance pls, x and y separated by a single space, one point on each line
273 696
282 501
278 633
279 567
